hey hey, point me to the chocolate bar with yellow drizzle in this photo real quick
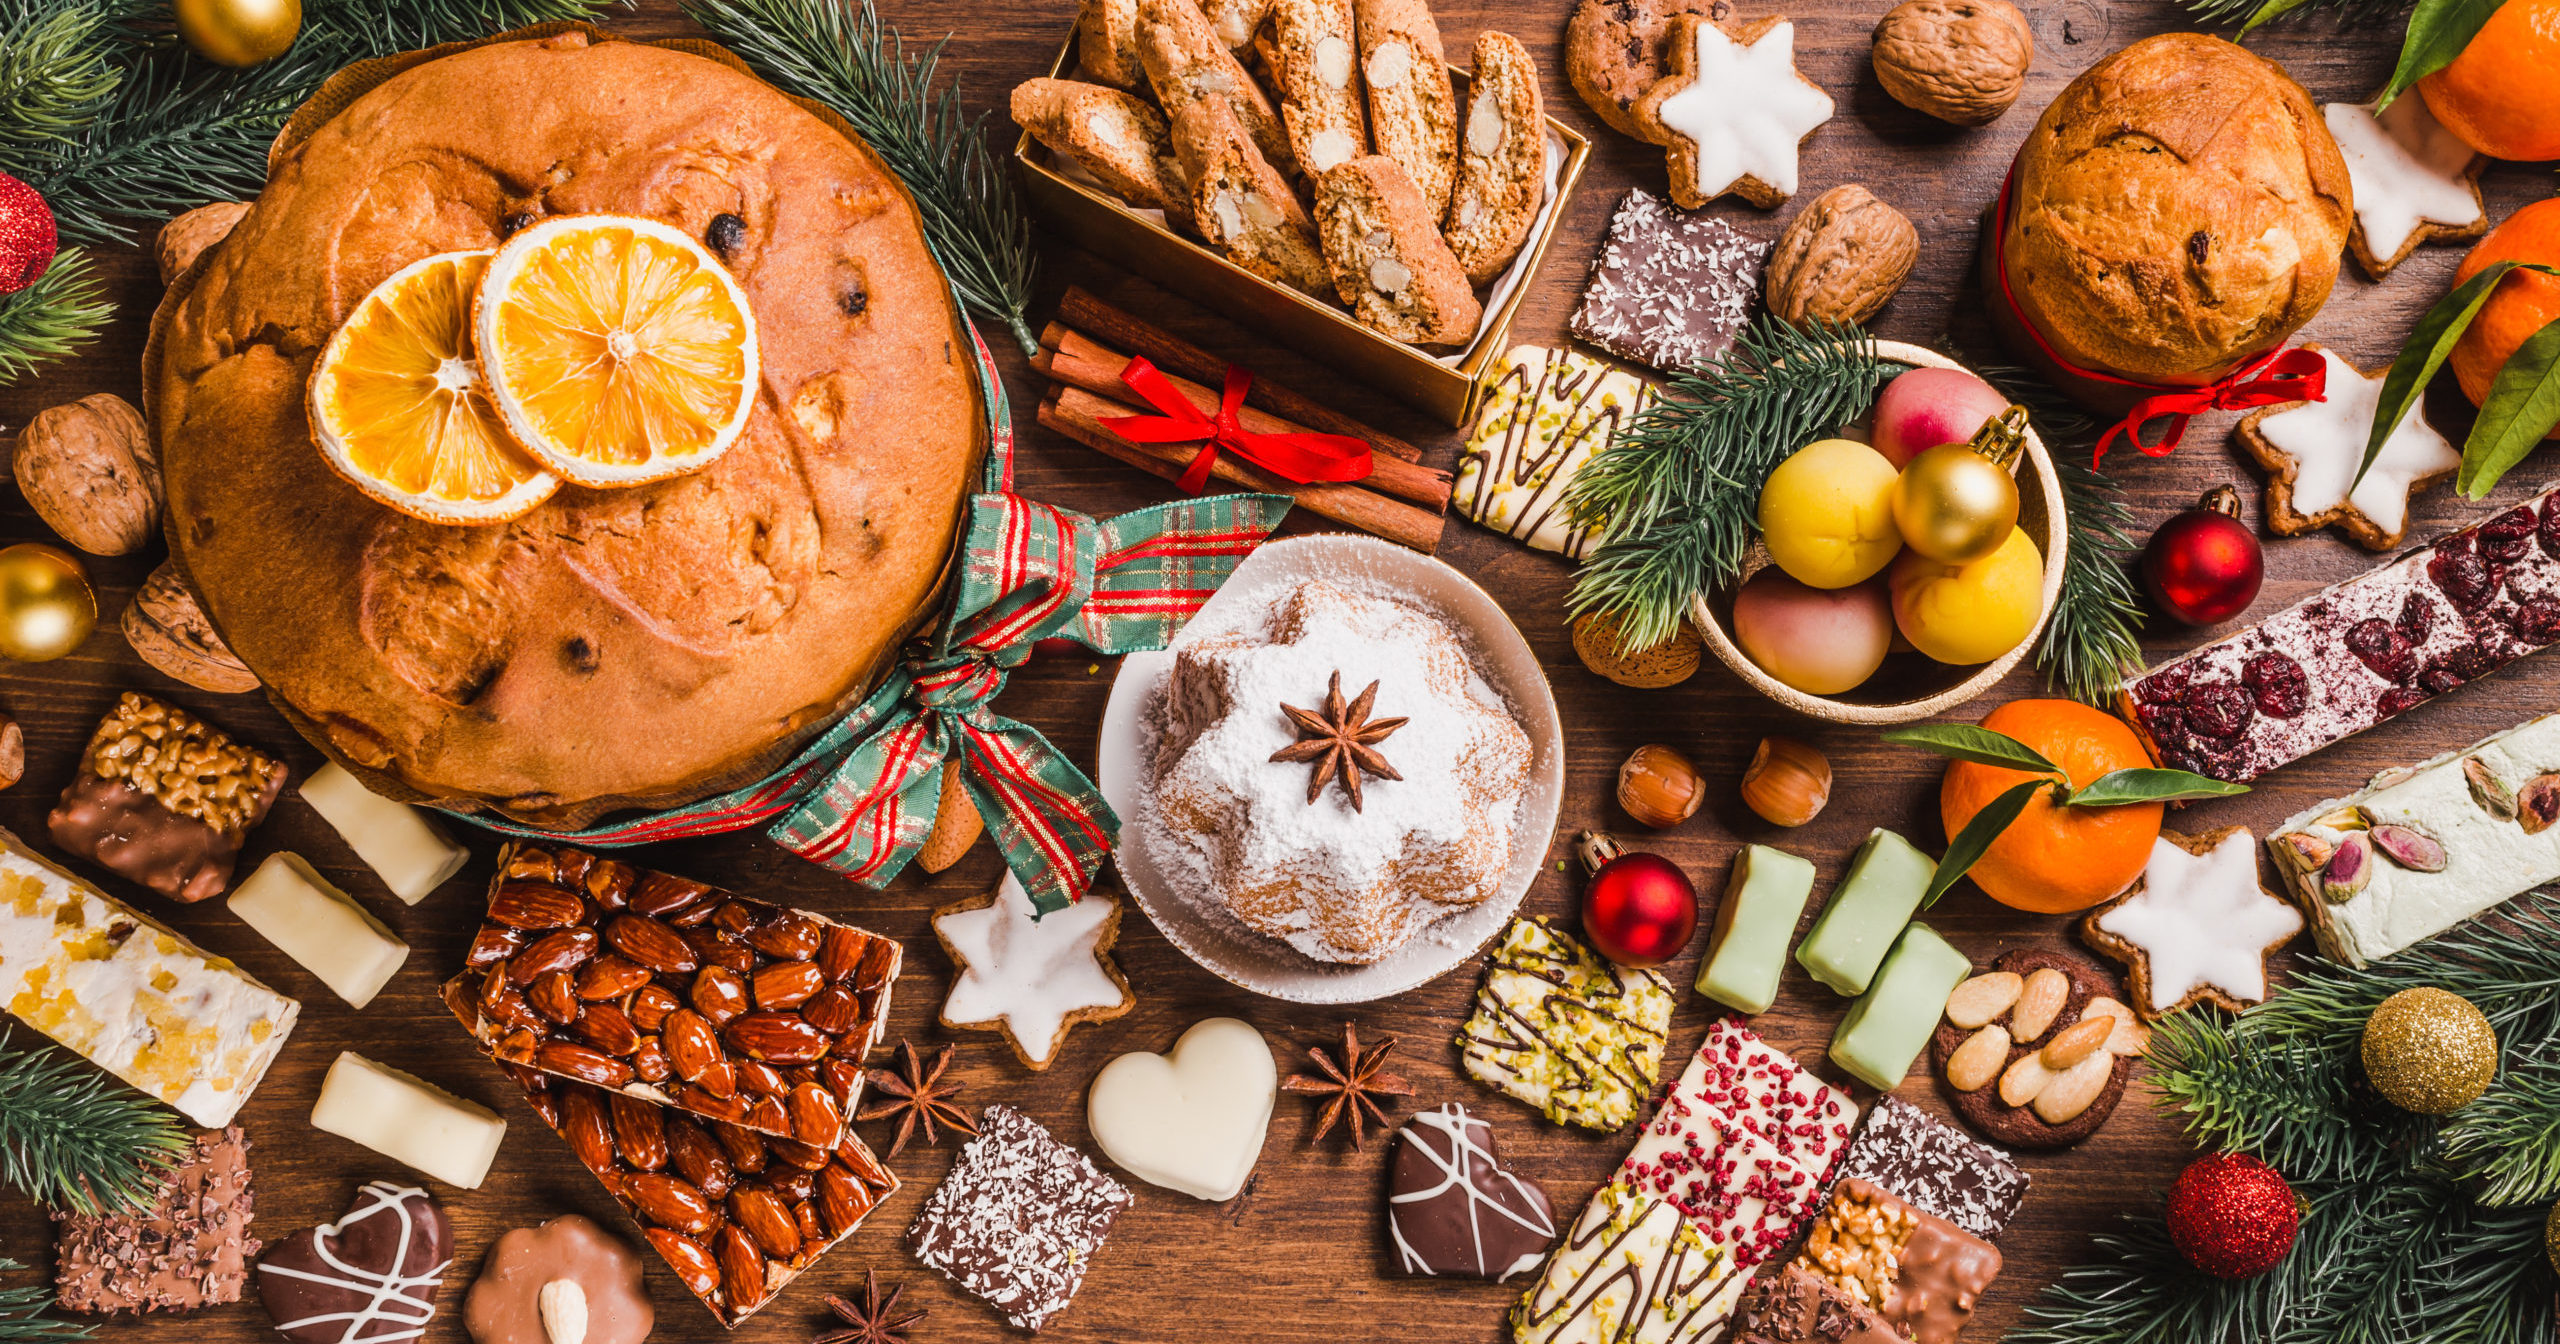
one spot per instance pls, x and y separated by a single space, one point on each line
129 995
1575 1036
1545 413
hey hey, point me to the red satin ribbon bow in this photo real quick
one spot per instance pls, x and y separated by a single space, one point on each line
2263 380
1301 458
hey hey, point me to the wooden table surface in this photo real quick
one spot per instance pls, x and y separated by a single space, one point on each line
1300 1255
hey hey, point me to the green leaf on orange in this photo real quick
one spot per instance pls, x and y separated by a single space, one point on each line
2522 406
1975 839
2429 343
1971 742
2438 31
2117 788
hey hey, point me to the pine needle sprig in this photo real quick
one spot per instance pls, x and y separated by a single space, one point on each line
2292 1103
76 1139
1677 493
848 59
22 1312
63 310
54 71
2509 1140
2253 13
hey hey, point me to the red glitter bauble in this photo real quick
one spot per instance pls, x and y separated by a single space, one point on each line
1640 910
2203 567
2232 1216
26 235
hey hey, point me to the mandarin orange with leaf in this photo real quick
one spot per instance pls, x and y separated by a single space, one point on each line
2501 94
2054 859
2523 303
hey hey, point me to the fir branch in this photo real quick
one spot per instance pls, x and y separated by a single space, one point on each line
62 311
1678 491
2509 1140
2253 13
2290 1102
54 72
76 1139
863 69
22 1312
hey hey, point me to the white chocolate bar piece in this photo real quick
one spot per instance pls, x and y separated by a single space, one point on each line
410 1122
320 927
394 839
125 993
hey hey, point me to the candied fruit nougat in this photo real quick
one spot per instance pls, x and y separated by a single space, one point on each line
2423 849
1919 1272
1575 1036
2359 651
1546 412
164 798
128 995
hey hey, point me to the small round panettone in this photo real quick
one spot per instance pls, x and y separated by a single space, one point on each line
2180 208
642 646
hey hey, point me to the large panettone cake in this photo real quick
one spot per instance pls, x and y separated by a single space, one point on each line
646 645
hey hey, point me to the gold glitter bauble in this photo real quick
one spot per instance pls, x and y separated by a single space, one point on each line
2551 1237
239 32
2429 1051
46 607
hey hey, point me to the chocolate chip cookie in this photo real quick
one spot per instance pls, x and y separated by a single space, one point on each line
1613 49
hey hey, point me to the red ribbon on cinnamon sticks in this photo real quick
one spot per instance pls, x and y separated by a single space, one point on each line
1302 458
2262 380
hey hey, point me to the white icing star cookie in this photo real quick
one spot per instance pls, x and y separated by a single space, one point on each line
1732 112
2311 449
1032 979
2414 181
2197 928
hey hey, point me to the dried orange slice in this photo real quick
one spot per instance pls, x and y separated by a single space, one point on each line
399 408
618 350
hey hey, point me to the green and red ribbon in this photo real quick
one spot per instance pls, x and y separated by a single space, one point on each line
1301 457
861 798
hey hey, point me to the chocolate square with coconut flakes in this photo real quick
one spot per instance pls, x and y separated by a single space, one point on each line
190 1248
1669 288
1018 1219
1936 1167
164 798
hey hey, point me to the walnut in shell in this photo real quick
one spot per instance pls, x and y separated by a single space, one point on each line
166 626
1841 258
185 238
92 473
1961 61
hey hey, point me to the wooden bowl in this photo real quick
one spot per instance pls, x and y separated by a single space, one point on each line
1910 685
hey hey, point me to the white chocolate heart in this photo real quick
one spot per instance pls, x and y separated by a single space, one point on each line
1191 1120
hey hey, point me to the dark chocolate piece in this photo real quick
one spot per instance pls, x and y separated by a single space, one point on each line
1793 1306
163 798
1453 1208
2020 1126
190 1249
1669 288
505 1305
1921 1273
368 1278
1936 1167
1018 1219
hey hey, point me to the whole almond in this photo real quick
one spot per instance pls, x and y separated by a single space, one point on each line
815 1118
694 1267
517 1047
558 950
639 1133
610 977
609 1029
841 1200
832 1011
776 1038
767 1219
2024 1080
719 994
649 1062
2039 1003
649 943
494 943
2071 1091
555 996
650 1005
956 824
697 1157
719 1084
787 984
788 937
805 1157
2129 1036
741 1268
767 1113
760 1078
1840 259
590 1134
607 882
2077 1042
528 905
1982 999
582 1063
840 951
1973 1065
747 1150
670 1201
692 1047
663 894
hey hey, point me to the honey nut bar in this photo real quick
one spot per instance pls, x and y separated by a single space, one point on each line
164 798
672 991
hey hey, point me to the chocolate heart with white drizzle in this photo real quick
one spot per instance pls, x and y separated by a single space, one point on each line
368 1278
1453 1208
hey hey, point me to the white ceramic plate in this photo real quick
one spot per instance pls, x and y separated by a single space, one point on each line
1202 928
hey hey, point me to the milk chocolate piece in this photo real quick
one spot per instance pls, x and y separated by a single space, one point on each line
1454 1208
1920 1273
189 1249
1793 1306
164 799
411 1122
1936 1167
368 1278
588 1279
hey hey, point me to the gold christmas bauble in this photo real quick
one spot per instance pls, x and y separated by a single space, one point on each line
2429 1051
239 32
46 607
1954 505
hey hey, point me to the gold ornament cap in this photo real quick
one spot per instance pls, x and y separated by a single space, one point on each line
2429 1051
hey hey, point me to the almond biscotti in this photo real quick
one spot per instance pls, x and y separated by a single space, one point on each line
1316 64
1237 21
1241 204
1186 62
1107 42
1390 266
1113 135
1502 159
1413 116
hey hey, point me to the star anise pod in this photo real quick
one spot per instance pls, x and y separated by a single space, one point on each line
873 1320
917 1096
1354 1085
1341 740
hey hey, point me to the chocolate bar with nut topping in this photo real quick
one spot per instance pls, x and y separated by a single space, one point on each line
676 992
2358 652
165 799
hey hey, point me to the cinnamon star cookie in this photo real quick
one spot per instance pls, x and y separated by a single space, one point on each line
1732 112
2311 451
2197 928
1032 977
2414 182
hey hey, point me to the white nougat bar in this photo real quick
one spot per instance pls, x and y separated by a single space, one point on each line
411 1122
130 996
396 840
320 927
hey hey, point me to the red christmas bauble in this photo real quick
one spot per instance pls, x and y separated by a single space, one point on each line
1639 910
2203 566
26 235
2232 1216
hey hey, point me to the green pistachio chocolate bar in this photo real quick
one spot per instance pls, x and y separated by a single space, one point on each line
1866 911
1559 1028
1762 902
1888 1025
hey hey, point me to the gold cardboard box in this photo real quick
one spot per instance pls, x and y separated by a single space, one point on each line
1446 388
